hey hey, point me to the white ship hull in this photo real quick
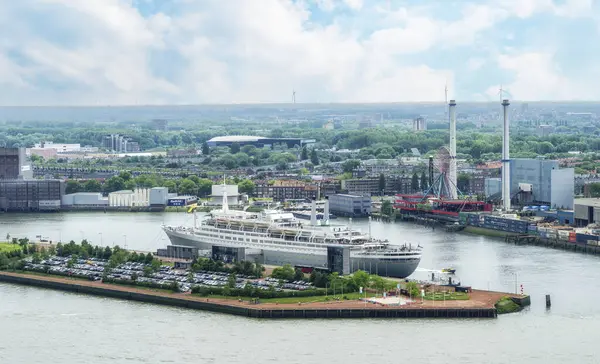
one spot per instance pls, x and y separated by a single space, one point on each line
374 263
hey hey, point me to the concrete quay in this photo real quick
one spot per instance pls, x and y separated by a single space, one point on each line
480 305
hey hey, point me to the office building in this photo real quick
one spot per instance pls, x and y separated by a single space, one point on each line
120 144
545 130
281 190
419 124
350 205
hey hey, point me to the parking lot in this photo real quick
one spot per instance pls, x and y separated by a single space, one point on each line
93 269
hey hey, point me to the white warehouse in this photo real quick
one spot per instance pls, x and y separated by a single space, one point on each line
128 198
84 199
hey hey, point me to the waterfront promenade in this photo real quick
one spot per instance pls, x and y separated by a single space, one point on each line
480 304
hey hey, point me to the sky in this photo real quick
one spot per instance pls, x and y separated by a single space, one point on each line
142 52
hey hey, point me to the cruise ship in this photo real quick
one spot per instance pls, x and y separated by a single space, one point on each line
278 238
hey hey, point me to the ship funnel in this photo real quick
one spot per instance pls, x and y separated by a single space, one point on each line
326 211
225 201
313 212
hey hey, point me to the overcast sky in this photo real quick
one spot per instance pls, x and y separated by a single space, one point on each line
118 52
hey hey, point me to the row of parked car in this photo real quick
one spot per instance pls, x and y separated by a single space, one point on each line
93 269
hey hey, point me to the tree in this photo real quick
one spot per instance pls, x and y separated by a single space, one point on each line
125 175
247 186
424 181
114 183
234 148
73 186
285 273
304 154
463 182
298 275
314 158
231 280
414 184
382 183
204 187
171 186
594 189
188 187
205 149
350 165
92 186
386 208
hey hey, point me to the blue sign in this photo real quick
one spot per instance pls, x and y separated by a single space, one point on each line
176 202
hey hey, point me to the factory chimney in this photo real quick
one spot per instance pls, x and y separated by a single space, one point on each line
313 212
505 160
452 180
326 211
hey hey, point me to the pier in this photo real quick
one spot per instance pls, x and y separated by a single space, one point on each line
480 305
525 239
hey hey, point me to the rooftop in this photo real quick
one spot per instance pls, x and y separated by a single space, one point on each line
236 138
592 202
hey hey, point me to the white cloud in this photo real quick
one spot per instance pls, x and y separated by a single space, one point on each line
246 51
354 4
537 77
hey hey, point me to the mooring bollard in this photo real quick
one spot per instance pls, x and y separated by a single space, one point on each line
548 303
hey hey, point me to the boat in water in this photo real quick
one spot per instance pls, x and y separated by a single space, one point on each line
449 270
278 238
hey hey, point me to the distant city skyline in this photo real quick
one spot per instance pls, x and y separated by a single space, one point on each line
170 52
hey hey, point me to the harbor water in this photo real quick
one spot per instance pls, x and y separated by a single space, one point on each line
46 326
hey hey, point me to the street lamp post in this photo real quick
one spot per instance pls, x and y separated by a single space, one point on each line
125 236
101 243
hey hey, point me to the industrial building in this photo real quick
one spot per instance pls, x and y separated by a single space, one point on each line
14 164
216 197
587 211
31 195
140 197
59 147
493 186
84 200
350 205
260 142
540 181
159 196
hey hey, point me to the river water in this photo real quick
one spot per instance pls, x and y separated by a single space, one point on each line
46 326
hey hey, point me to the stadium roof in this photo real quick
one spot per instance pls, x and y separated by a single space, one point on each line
236 138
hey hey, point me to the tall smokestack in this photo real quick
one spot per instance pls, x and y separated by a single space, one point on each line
313 212
452 167
326 211
505 159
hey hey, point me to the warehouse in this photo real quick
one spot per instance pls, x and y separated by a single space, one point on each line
84 200
587 211
31 195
